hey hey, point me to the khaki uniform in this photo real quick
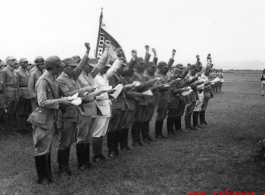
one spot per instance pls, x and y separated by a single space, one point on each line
23 108
89 114
11 94
33 78
43 117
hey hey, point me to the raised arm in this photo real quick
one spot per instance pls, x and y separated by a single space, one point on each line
155 59
133 60
171 60
82 63
102 61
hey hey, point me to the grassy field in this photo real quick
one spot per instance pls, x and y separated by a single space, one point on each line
224 155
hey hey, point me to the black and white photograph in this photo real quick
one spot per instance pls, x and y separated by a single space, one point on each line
112 97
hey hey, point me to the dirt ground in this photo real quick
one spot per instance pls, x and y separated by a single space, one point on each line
222 156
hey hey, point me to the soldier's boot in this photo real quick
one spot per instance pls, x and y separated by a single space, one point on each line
6 124
80 148
87 155
175 123
157 129
12 130
148 132
161 129
126 138
41 169
101 156
48 167
96 148
24 121
192 127
110 144
67 156
144 131
116 143
187 122
170 126
138 130
61 155
19 124
195 119
122 140
179 123
134 134
203 118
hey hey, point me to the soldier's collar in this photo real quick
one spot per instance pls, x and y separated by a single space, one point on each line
10 68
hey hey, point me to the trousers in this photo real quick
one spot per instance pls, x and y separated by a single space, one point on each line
42 139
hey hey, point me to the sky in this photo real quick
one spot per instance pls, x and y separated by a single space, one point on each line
231 30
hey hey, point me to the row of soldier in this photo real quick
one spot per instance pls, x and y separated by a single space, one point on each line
175 91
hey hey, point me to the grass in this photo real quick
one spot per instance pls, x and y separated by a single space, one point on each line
221 156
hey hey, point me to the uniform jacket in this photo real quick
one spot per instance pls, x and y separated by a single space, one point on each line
48 102
33 78
90 109
137 76
68 84
130 95
23 79
10 84
164 94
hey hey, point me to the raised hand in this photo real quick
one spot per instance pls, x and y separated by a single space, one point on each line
147 48
87 46
173 53
154 51
134 54
107 44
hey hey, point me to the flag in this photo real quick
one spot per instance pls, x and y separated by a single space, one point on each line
103 35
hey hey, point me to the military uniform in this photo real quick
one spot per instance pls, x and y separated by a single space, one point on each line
23 108
141 105
3 104
89 114
33 78
163 99
130 111
69 116
152 102
42 120
207 96
11 94
190 102
118 111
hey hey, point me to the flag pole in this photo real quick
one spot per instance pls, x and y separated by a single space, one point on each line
100 22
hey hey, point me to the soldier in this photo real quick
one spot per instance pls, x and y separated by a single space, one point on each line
207 95
43 117
176 105
118 106
24 100
11 95
164 96
141 102
130 103
3 104
221 76
68 118
89 114
33 78
101 123
190 99
149 74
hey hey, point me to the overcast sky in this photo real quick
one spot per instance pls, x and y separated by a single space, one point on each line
231 30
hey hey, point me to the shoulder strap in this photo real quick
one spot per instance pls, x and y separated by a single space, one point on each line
50 87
